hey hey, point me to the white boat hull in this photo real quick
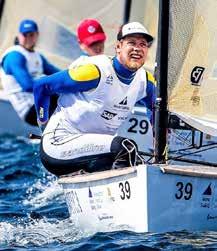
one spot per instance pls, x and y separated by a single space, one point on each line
148 198
10 122
100 205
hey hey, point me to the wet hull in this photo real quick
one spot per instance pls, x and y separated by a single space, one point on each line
142 199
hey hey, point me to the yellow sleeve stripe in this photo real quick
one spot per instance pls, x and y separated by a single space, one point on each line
84 72
150 77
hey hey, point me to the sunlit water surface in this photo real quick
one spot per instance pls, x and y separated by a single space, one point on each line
34 216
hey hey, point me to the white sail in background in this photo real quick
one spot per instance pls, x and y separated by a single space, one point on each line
57 21
192 71
147 12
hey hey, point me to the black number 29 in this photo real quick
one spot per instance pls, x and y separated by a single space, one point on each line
142 124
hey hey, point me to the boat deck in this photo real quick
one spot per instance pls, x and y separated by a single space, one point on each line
196 171
86 177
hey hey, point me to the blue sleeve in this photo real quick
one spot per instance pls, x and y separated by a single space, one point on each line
15 64
58 83
48 68
149 100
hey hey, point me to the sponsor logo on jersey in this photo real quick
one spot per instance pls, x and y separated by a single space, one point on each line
108 115
124 101
123 105
109 80
122 118
87 148
41 112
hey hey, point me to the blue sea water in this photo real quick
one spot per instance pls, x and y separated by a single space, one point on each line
34 216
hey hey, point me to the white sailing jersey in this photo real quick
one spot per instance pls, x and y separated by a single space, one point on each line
81 60
21 101
103 109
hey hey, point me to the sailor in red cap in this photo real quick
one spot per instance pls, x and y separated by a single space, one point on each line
91 37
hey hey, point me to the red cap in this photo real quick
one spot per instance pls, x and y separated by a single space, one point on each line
90 31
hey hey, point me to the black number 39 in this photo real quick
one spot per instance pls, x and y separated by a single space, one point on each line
184 191
125 190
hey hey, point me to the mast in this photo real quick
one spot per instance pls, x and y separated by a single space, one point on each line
2 2
161 113
127 8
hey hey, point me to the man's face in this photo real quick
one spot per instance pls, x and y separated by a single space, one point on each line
28 40
93 49
132 51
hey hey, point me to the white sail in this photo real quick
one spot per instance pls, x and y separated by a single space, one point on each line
193 63
147 12
57 21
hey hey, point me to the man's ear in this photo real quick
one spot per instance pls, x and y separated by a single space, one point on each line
82 46
118 47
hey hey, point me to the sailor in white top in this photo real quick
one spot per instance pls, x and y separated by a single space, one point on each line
20 65
95 99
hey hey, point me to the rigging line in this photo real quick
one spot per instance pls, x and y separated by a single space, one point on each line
182 160
192 147
199 151
194 161
165 152
146 154
149 160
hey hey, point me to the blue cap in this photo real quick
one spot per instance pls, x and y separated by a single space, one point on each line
28 25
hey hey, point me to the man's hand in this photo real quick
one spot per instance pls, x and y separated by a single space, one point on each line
42 125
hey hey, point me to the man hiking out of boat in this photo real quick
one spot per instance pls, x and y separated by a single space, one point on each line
95 99
20 65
